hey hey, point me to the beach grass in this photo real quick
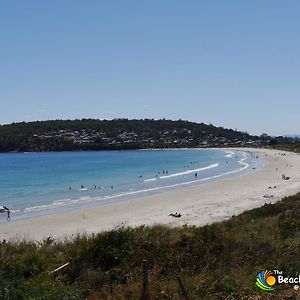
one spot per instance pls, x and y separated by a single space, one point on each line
217 261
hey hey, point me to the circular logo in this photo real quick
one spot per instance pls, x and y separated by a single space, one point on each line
266 280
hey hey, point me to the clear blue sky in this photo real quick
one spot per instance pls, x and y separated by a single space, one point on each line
231 63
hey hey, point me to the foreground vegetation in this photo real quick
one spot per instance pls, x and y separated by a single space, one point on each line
218 261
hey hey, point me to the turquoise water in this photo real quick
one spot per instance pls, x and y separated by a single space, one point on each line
38 183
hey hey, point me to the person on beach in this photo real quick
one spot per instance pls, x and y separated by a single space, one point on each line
8 212
176 215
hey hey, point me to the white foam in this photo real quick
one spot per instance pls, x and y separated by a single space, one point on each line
183 173
151 179
61 201
245 166
38 207
56 203
229 153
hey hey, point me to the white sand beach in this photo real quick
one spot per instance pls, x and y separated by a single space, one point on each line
198 205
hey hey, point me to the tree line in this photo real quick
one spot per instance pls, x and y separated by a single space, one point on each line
105 135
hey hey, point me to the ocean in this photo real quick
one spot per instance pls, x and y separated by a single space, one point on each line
33 184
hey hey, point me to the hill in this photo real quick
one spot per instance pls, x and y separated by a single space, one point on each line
93 134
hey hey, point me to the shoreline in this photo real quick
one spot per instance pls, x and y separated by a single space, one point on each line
88 200
203 203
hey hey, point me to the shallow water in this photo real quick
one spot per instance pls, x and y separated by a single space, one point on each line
37 183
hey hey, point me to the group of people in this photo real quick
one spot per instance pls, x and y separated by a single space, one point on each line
163 171
176 215
83 188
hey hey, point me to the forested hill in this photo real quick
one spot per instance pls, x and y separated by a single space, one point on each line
93 134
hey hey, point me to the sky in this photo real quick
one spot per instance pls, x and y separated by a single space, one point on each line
231 63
